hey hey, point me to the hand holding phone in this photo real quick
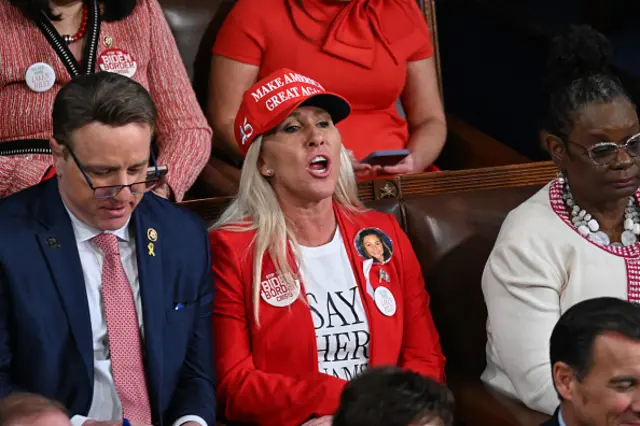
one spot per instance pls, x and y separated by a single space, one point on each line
359 169
386 157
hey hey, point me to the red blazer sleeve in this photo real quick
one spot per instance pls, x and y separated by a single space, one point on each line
242 36
183 135
421 351
245 393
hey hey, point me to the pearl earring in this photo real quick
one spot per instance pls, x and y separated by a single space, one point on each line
269 172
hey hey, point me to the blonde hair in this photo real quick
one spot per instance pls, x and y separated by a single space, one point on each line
256 207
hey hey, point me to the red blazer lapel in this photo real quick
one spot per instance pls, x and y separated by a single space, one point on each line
287 332
385 331
286 329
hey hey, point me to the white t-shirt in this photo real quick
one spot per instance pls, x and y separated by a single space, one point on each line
339 319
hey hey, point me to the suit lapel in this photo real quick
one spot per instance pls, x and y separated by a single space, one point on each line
149 245
59 248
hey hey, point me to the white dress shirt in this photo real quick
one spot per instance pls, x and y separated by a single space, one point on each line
105 405
560 418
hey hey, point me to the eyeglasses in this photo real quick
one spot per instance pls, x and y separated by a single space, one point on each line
604 153
110 191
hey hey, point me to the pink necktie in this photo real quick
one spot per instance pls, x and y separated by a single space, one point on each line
124 333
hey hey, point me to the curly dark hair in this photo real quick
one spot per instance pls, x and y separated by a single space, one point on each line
578 74
113 10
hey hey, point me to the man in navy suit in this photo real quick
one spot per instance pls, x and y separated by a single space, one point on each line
595 359
106 288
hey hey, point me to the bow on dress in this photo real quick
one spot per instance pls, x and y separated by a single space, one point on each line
353 32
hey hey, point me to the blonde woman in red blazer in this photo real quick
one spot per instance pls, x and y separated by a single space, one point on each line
311 288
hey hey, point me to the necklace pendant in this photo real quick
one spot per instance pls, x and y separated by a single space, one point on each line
589 227
628 224
584 230
628 238
600 238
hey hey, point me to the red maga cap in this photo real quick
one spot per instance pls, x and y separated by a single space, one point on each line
271 100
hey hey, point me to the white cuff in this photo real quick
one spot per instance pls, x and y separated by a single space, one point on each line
182 420
78 420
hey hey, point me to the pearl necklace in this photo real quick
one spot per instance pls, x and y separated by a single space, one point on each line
589 227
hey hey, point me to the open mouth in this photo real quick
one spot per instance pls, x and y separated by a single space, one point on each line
319 166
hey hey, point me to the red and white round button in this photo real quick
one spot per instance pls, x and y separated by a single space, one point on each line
385 301
279 293
118 61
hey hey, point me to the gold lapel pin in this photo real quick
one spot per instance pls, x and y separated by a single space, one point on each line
152 235
52 242
150 247
108 41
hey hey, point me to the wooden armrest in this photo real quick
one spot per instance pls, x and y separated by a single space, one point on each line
478 405
420 184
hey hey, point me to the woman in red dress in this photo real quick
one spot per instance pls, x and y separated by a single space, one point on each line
373 52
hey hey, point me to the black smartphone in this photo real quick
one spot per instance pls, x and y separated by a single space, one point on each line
389 157
162 172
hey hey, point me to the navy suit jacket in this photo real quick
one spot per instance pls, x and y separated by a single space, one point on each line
46 345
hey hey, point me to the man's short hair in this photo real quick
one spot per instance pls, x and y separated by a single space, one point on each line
573 336
23 407
104 97
389 396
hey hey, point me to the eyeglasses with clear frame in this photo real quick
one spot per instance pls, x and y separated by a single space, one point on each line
110 191
604 153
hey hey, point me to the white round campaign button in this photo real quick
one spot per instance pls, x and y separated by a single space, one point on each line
277 292
385 301
118 61
40 77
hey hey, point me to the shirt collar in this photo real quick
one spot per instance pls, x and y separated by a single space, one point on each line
84 232
560 419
